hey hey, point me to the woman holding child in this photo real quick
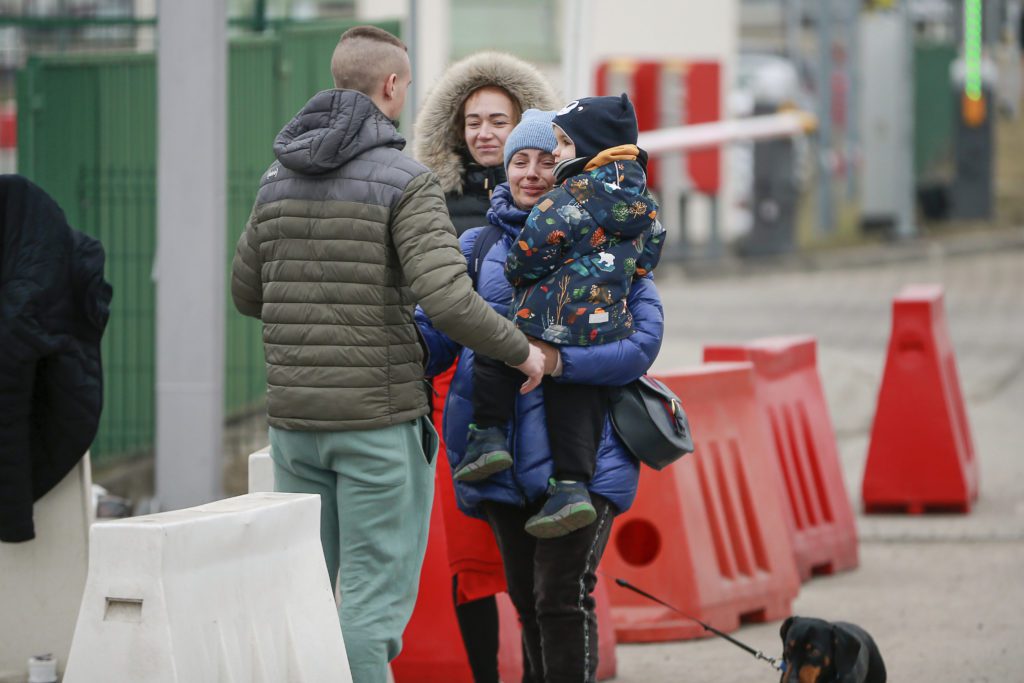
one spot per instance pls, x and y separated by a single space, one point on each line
551 573
460 135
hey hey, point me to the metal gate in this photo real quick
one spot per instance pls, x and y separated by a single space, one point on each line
87 135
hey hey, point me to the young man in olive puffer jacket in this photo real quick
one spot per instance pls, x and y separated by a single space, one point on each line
346 236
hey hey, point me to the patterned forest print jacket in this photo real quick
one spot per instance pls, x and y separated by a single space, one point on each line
581 248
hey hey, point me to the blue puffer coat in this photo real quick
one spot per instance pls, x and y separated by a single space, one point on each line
615 363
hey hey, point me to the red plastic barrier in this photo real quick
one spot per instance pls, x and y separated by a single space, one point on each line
818 508
8 127
607 665
921 456
707 534
432 649
696 87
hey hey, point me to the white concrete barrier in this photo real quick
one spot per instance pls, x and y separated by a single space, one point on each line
41 581
261 478
261 471
233 591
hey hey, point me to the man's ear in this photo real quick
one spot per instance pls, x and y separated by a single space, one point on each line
389 86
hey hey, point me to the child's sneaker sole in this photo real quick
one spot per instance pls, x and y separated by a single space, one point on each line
484 466
565 521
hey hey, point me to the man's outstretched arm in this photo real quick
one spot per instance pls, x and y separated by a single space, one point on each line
435 269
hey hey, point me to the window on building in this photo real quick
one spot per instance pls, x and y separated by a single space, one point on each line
525 28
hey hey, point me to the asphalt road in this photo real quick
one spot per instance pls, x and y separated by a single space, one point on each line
943 595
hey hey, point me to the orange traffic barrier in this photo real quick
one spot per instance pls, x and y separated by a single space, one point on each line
432 649
707 534
8 127
607 666
816 502
921 457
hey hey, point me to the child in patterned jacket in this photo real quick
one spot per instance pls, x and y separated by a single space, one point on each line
572 267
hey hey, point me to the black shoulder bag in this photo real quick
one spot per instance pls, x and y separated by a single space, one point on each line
649 419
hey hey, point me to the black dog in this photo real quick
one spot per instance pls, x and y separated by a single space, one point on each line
818 651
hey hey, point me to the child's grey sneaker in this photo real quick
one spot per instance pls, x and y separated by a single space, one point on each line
486 453
567 509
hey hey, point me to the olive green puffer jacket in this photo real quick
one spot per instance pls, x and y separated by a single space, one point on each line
346 236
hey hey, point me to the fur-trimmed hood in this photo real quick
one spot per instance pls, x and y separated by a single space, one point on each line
439 143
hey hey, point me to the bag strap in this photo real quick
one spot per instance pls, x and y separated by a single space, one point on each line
485 239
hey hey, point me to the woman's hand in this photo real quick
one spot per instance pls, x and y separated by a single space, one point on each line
552 357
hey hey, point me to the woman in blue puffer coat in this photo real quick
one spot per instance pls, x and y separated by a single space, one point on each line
544 575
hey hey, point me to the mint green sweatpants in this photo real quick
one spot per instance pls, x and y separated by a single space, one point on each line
376 488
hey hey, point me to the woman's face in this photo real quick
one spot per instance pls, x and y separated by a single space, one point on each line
490 117
531 175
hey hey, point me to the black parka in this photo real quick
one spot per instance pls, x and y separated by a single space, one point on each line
54 306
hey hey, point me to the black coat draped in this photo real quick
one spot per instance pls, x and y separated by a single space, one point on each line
54 306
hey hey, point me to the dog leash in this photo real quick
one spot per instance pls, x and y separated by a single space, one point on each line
777 664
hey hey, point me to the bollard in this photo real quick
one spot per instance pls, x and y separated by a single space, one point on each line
921 457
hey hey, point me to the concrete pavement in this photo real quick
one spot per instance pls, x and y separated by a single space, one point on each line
943 595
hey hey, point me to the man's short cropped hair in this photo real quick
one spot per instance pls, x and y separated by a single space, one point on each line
365 56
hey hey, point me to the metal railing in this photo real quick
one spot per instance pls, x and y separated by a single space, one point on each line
718 133
671 144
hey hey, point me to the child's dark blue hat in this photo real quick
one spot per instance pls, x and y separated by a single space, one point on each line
596 123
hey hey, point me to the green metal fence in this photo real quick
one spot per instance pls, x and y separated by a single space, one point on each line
87 135
934 113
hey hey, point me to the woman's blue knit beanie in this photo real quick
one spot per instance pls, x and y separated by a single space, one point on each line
533 132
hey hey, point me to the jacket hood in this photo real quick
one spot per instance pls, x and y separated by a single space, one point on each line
504 213
615 194
570 167
439 142
334 127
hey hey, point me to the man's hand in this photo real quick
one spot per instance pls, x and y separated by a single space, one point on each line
533 368
551 355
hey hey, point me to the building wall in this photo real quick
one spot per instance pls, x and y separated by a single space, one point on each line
655 29
589 32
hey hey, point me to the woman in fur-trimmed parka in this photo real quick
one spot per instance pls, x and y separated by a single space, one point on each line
462 127
460 136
